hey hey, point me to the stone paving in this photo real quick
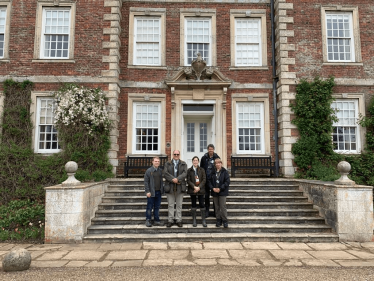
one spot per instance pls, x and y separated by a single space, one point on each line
197 253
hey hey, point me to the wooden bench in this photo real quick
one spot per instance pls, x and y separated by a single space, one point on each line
252 162
141 162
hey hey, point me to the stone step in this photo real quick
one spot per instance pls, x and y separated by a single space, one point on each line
213 237
239 192
232 187
231 212
188 228
211 220
186 199
230 205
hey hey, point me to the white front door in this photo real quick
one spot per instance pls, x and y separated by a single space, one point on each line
197 135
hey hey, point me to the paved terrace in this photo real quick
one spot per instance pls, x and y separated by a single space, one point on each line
197 254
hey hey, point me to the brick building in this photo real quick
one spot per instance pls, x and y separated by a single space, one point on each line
140 53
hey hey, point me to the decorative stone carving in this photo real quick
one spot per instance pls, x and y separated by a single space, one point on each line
71 168
344 168
17 260
198 70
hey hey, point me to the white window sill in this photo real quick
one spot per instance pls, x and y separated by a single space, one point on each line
344 63
249 68
4 60
54 60
147 67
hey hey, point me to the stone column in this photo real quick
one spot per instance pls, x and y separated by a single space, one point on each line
113 58
283 33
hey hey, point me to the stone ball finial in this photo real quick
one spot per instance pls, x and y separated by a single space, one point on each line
17 260
344 168
71 168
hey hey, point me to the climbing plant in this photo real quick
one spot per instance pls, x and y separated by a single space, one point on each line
314 117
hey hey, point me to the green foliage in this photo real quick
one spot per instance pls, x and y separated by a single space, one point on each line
314 117
22 219
24 174
363 165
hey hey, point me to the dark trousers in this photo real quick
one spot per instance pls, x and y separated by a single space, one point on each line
153 203
201 201
207 198
220 206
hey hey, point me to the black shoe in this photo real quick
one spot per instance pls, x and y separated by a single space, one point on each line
169 224
148 223
180 224
158 223
218 223
225 224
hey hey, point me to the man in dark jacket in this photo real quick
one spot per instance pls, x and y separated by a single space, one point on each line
175 173
153 186
207 163
219 183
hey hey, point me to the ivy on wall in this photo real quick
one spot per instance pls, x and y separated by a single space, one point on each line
314 117
24 174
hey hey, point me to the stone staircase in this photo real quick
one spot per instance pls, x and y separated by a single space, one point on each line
258 210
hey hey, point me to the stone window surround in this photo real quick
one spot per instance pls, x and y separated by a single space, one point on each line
355 28
39 24
145 97
8 6
249 13
33 114
151 12
360 97
196 13
258 98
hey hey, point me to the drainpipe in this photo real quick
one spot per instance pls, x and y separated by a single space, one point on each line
275 80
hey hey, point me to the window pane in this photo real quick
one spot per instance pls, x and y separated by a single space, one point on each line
48 137
198 39
147 121
339 37
147 41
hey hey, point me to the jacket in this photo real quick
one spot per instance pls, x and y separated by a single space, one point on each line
204 162
224 182
191 182
169 176
149 184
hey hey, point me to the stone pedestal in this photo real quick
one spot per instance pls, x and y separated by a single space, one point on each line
348 209
69 210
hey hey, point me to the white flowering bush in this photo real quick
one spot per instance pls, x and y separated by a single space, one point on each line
82 106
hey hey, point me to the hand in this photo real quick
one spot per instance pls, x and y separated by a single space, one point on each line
196 189
148 194
216 190
175 180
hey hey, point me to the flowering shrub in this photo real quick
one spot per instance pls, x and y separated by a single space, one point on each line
82 106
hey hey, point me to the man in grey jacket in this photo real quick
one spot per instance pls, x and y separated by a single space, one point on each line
153 186
175 173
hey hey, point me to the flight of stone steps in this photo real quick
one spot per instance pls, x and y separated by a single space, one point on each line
258 210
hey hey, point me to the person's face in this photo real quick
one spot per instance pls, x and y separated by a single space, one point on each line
156 163
176 155
210 151
218 165
195 162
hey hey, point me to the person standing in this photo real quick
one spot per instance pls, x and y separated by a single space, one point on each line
175 173
207 163
219 183
154 188
196 180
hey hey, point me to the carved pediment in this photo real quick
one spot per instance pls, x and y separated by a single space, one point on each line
198 73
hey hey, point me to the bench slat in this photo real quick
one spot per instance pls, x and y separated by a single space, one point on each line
141 162
253 162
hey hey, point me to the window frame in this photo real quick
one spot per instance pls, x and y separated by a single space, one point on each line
355 36
133 99
198 14
263 99
209 42
6 4
135 104
42 6
35 112
151 13
259 14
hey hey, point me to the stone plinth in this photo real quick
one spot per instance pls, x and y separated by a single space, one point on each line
347 209
69 210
